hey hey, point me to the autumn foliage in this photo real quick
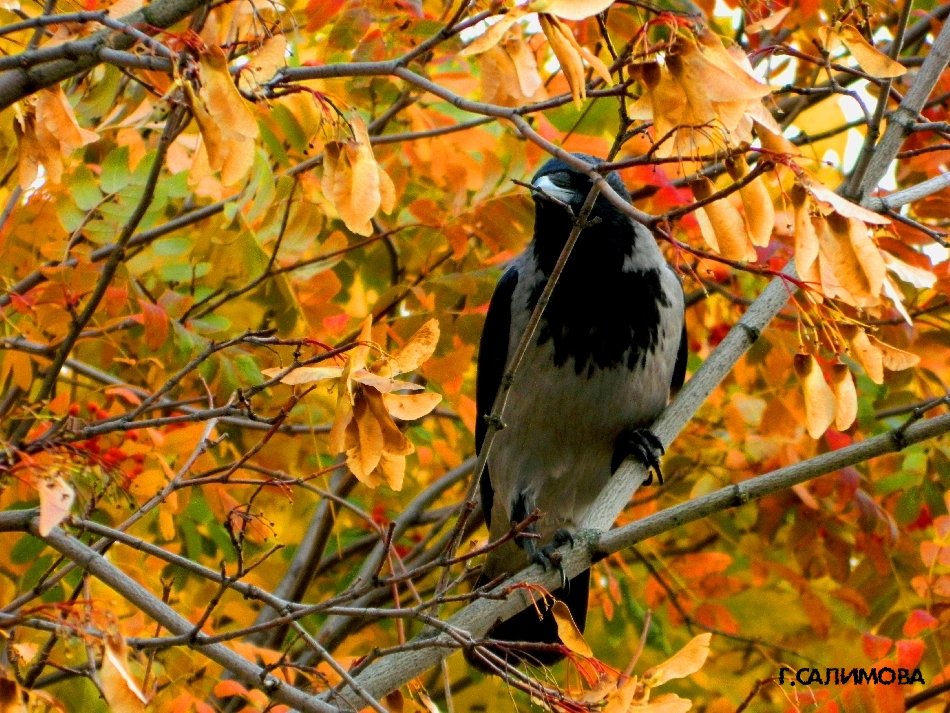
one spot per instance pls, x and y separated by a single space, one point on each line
247 251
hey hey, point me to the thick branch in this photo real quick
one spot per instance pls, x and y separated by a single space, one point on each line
390 673
15 84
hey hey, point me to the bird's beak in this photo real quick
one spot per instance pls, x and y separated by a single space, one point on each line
559 193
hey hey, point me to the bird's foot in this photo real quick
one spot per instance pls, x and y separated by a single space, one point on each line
548 556
642 444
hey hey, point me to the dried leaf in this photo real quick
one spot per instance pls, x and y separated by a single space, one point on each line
807 244
769 22
56 499
304 374
819 398
855 259
846 397
568 632
831 201
363 458
408 407
495 33
418 349
383 384
868 355
684 662
224 118
264 62
395 442
726 223
893 358
120 687
757 203
568 55
868 57
352 179
393 469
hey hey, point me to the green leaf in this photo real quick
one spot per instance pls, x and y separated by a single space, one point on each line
172 247
115 170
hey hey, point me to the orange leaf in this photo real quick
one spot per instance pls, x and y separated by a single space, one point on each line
684 662
495 32
846 397
868 355
568 632
56 498
807 245
393 469
819 399
568 55
418 349
224 118
363 458
304 374
726 224
408 407
868 57
395 442
352 179
120 687
893 358
757 203
769 22
831 201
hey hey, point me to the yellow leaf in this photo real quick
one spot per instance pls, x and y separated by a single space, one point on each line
351 179
684 662
867 354
359 355
224 118
831 201
769 22
408 407
727 224
384 384
868 57
568 56
855 259
264 62
893 358
757 203
807 245
304 374
393 469
56 498
846 397
419 348
395 442
341 422
119 686
572 9
495 32
567 630
819 399
363 458
387 191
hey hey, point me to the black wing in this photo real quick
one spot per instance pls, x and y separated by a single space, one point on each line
679 368
492 355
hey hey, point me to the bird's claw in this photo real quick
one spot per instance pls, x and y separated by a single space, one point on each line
642 444
549 557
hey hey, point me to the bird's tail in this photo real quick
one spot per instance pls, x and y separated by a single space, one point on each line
527 626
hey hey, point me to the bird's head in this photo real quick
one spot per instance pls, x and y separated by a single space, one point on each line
569 187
